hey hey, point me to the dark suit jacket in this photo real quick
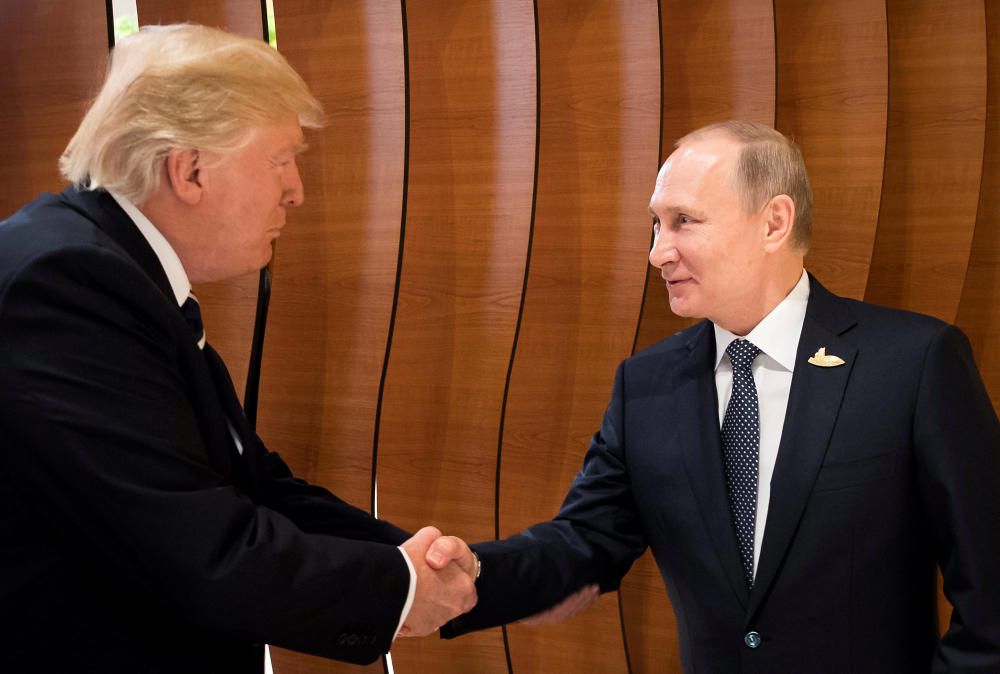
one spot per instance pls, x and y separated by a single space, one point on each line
887 465
134 537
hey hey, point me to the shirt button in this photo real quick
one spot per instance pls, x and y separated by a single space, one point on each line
752 640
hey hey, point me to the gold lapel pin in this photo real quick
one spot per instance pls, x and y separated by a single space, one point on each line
822 359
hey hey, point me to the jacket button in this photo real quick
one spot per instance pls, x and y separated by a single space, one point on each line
752 640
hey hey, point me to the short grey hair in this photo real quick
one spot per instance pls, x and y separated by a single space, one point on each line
768 164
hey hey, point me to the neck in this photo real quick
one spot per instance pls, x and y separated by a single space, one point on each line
754 309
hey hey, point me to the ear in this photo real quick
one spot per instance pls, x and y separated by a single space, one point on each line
779 219
184 175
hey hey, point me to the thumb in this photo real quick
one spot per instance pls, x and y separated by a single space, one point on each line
443 551
424 538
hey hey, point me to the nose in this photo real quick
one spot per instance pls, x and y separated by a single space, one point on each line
663 251
293 192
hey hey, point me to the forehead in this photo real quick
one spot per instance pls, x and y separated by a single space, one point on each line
697 170
282 136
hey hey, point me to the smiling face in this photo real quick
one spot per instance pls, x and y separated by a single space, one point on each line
240 204
717 260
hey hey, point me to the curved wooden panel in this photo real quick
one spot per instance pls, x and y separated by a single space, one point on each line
54 55
468 219
237 16
934 155
717 63
599 133
334 269
979 310
228 306
833 93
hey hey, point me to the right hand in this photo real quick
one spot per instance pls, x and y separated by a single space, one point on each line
441 594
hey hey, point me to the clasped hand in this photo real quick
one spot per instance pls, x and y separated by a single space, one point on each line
446 574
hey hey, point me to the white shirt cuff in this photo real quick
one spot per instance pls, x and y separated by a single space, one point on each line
409 595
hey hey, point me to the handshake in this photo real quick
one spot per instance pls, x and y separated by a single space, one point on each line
446 570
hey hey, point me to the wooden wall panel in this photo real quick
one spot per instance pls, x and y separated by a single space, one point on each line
717 63
934 155
468 218
979 310
54 55
599 134
334 268
228 306
833 89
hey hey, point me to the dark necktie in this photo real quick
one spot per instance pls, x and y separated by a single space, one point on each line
192 314
740 446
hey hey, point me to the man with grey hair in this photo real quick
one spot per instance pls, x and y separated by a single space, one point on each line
145 526
799 463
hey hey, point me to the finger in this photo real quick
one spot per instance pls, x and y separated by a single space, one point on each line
443 550
416 546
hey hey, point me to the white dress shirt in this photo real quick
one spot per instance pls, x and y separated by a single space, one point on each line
180 284
777 336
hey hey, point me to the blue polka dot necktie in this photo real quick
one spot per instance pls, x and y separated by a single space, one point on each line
192 314
740 447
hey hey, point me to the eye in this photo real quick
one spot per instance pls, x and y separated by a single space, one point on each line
656 227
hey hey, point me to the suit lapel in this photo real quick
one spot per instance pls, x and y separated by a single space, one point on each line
213 390
698 430
813 405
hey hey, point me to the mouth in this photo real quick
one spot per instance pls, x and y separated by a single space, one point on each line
677 283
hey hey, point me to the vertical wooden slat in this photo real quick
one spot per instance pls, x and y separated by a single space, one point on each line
468 218
54 55
717 63
934 155
228 306
832 97
979 310
335 265
599 134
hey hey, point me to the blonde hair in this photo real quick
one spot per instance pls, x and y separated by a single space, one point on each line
180 87
768 164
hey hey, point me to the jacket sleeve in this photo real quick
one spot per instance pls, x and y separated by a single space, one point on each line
594 539
104 448
957 443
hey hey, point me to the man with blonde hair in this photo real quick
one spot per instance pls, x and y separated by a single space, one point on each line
798 462
146 528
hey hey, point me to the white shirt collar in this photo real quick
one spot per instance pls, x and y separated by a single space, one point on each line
165 253
777 335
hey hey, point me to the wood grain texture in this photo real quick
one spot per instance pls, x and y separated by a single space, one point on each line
335 266
228 306
54 55
599 133
934 155
979 310
468 218
833 89
717 63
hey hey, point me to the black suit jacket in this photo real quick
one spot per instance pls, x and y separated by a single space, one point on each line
134 537
887 465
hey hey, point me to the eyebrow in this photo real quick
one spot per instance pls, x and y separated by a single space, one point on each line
674 210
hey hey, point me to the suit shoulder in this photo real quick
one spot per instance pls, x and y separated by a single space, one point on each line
44 229
895 325
676 346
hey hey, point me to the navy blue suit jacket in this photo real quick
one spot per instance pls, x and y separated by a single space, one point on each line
135 537
887 466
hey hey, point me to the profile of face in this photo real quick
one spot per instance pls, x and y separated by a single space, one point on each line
711 253
241 201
